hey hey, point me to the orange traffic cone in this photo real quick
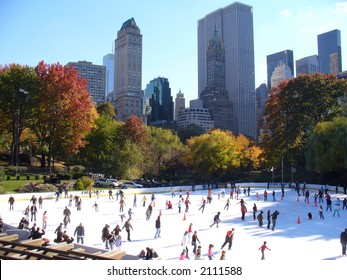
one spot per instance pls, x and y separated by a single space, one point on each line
298 220
184 217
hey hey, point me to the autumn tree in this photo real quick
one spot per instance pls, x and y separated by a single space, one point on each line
64 112
18 86
293 109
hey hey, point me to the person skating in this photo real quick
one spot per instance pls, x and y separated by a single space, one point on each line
255 209
128 227
79 232
105 236
260 219
202 206
157 227
268 217
11 202
195 239
184 243
227 204
343 241
229 239
274 219
216 220
263 248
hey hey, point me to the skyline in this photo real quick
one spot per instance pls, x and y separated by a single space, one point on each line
80 31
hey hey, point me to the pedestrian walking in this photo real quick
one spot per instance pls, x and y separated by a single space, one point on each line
343 241
229 239
216 220
157 227
79 232
263 248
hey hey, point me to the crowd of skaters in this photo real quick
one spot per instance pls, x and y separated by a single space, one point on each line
113 238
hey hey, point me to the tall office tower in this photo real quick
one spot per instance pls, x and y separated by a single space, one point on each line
96 76
307 65
159 102
128 71
276 59
235 23
282 72
261 94
180 103
329 52
108 62
215 96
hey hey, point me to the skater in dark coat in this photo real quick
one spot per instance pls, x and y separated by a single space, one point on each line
260 219
268 217
274 219
216 220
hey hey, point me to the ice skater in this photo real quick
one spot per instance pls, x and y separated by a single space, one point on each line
216 220
229 239
263 248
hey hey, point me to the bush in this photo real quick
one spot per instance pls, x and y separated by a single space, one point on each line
8 177
79 185
18 177
28 177
37 177
2 173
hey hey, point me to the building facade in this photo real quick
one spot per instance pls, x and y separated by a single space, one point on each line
235 23
108 62
96 77
196 114
307 65
329 52
282 72
215 96
158 102
276 59
128 71
180 103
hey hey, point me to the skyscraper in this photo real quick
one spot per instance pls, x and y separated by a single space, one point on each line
180 103
235 23
96 77
329 52
158 102
215 96
128 71
276 59
307 65
108 62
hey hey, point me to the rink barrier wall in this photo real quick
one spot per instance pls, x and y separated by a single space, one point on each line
104 192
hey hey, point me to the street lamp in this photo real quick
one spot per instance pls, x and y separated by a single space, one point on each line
272 170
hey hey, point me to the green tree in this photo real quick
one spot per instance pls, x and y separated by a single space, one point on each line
106 109
327 148
18 85
293 109
163 146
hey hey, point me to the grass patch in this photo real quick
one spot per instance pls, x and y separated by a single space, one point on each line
8 186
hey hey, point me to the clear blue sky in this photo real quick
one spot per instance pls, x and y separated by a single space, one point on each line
71 30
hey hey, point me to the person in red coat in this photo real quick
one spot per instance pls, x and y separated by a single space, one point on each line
263 248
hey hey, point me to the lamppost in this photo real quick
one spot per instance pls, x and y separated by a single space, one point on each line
273 176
